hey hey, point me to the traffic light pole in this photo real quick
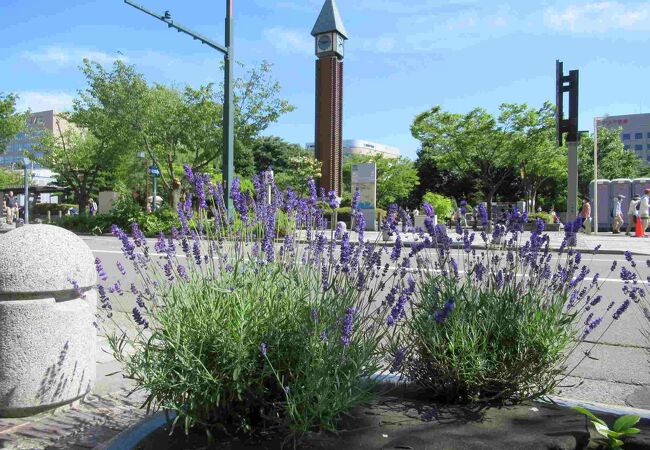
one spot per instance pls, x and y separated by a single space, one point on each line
228 107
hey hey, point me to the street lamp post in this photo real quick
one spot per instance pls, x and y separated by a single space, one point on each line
595 208
227 168
26 163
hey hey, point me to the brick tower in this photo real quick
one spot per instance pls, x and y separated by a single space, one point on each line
330 36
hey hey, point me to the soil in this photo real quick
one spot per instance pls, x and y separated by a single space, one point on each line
408 422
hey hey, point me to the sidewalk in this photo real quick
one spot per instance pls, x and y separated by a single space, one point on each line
613 244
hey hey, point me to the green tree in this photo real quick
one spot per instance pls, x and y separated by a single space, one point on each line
531 134
298 169
396 178
10 121
275 152
174 127
443 206
474 144
78 158
10 178
613 160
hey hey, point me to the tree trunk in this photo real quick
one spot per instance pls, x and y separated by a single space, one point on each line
82 199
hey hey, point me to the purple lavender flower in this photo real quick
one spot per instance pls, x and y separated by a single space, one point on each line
591 327
189 174
613 268
482 212
263 349
359 224
398 360
628 255
100 270
313 193
77 289
627 275
355 199
397 249
346 328
182 272
428 210
196 251
127 246
621 309
441 315
139 319
121 268
332 200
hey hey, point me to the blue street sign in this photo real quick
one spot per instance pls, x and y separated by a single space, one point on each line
154 171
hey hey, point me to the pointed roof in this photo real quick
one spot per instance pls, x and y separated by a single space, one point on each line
329 19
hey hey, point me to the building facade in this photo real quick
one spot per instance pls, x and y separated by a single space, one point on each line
635 132
361 147
27 140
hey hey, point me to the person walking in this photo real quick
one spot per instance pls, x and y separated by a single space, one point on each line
10 207
617 215
92 206
632 214
585 215
644 206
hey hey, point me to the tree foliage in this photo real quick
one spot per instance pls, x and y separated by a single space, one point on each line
10 121
275 152
173 126
613 160
396 178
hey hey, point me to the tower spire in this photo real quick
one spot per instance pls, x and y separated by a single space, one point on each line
328 20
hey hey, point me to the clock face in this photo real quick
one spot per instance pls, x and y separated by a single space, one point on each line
324 42
339 45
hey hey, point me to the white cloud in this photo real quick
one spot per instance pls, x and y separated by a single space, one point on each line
58 57
43 101
289 41
597 17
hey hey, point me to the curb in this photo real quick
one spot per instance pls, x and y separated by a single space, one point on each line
601 408
130 437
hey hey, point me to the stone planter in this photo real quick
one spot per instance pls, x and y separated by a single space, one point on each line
47 336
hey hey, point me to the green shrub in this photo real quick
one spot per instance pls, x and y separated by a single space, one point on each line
546 217
494 344
443 206
244 336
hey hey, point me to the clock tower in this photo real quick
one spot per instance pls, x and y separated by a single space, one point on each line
330 36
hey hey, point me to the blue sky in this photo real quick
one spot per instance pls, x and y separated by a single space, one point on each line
402 56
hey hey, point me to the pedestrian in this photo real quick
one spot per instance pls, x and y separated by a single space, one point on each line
617 215
10 207
585 214
643 206
92 206
632 214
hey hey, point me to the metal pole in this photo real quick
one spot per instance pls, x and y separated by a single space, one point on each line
155 193
595 175
228 168
26 201
572 195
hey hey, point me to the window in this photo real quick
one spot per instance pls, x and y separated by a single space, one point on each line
648 135
647 158
638 135
625 136
638 147
626 147
369 145
648 146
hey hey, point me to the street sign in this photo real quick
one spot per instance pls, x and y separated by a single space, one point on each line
154 171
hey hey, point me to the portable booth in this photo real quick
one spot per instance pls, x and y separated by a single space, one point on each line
639 185
604 198
620 186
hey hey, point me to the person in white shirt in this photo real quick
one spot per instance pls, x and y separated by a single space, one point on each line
617 215
644 206
631 214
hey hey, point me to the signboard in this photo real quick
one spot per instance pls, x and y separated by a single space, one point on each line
364 178
154 171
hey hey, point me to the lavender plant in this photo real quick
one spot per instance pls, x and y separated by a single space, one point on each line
498 322
241 328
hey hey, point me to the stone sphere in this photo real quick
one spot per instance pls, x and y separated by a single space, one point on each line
44 258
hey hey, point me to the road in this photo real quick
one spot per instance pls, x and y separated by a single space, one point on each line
617 365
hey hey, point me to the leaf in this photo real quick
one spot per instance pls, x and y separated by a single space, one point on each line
626 421
602 429
631 431
588 413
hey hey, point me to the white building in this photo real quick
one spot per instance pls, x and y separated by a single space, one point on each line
361 147
635 134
